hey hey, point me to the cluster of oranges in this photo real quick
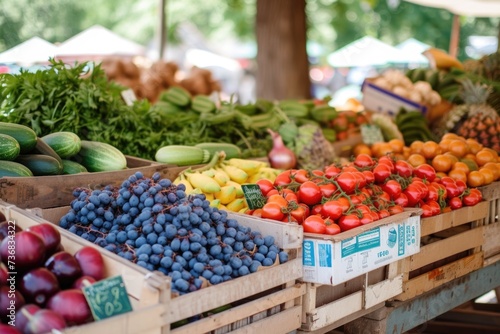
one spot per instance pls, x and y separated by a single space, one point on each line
454 156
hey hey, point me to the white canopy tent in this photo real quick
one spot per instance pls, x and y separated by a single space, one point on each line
475 8
98 42
33 51
366 51
413 49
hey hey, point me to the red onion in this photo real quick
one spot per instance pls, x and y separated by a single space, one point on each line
280 157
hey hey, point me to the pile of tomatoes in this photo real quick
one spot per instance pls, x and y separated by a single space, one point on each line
339 198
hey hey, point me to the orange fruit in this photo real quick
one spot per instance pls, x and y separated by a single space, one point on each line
461 166
458 148
449 135
445 144
442 163
361 148
430 149
484 156
383 149
458 175
416 160
488 175
416 146
452 156
495 153
470 156
406 152
441 174
474 146
396 145
475 179
494 168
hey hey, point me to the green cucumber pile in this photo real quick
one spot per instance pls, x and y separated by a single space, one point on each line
22 153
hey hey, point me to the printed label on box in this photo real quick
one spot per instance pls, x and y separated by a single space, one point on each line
308 253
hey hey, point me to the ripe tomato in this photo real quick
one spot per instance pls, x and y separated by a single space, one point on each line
332 209
393 188
290 196
425 171
461 186
363 209
413 194
424 190
300 213
257 213
455 203
327 189
360 179
350 168
366 219
314 224
402 200
300 175
273 210
331 227
331 171
385 160
446 180
403 168
395 209
452 190
427 211
433 193
272 192
384 213
381 172
277 199
472 198
363 160
316 209
355 199
265 186
283 178
344 202
309 193
348 222
435 208
369 177
346 182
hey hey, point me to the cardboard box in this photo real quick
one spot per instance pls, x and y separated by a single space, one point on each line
336 259
381 100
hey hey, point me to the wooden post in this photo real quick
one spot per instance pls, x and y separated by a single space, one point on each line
162 28
455 36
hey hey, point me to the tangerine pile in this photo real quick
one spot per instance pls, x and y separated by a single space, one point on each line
454 156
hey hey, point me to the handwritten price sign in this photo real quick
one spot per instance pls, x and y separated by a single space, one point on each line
107 298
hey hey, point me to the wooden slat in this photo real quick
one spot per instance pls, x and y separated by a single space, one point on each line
440 276
458 217
335 311
243 311
491 191
230 291
280 323
491 245
447 247
380 292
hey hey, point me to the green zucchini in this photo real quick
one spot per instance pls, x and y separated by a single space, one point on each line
66 144
42 147
182 155
231 150
100 157
73 167
40 164
24 135
9 147
11 168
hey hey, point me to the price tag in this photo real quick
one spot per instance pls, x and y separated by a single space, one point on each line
371 134
107 298
253 195
128 96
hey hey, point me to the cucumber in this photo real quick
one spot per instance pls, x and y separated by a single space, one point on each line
64 143
24 135
182 155
42 147
40 164
11 168
72 167
100 157
231 150
176 95
9 147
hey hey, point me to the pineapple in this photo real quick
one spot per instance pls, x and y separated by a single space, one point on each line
479 120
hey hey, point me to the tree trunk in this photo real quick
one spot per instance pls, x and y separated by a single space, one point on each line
282 64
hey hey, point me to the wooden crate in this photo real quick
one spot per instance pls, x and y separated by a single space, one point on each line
56 190
326 307
451 247
268 300
491 245
343 148
149 293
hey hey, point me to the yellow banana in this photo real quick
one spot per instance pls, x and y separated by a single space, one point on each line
215 203
237 186
182 180
209 197
226 194
210 172
235 174
236 205
204 182
221 177
244 210
250 167
195 191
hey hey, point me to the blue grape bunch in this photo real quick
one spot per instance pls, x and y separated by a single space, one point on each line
153 223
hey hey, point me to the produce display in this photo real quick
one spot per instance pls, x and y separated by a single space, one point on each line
25 154
155 224
49 280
